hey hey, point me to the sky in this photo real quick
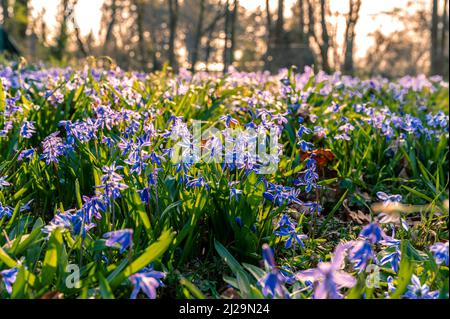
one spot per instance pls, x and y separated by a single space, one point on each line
88 16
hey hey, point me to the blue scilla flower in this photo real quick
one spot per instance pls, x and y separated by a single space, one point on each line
228 119
144 195
305 146
76 223
53 148
312 207
93 207
198 183
235 193
343 137
393 259
281 195
3 182
5 211
373 233
268 256
389 198
286 228
120 238
329 278
418 291
27 129
440 252
25 154
361 254
393 255
112 181
147 280
239 221
303 130
9 278
273 282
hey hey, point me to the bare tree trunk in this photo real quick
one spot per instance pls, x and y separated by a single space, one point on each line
173 22
140 32
444 36
198 35
301 16
352 20
20 9
110 27
5 11
61 42
267 56
209 30
279 27
80 43
325 38
434 39
227 36
234 18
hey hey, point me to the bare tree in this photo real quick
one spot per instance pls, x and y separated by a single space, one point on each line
434 39
112 8
140 13
227 36
173 21
323 43
444 37
5 11
234 17
325 38
267 55
198 35
20 9
66 10
349 38
301 18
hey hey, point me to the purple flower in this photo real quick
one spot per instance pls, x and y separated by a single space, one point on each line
373 233
286 228
273 282
199 182
27 130
303 130
111 181
228 119
121 238
53 148
389 198
77 223
5 211
329 277
3 182
418 291
147 280
234 193
361 254
25 154
9 277
305 146
440 252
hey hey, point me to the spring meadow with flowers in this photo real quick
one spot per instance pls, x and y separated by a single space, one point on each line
95 204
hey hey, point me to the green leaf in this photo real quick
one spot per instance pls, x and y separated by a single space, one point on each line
405 273
152 253
52 254
105 289
6 259
192 288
